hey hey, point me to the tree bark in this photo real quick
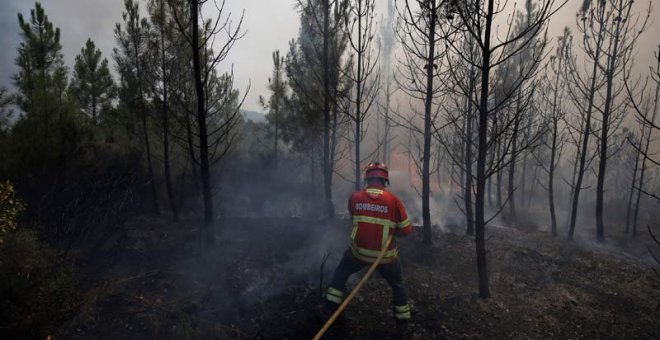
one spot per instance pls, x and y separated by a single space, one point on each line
512 165
480 222
583 149
551 175
632 190
426 211
275 146
201 121
358 100
645 154
553 150
191 155
499 174
468 162
165 119
327 170
523 178
602 166
145 132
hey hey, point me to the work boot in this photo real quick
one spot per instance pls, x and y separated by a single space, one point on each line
403 329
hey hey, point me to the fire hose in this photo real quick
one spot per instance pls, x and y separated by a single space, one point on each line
350 296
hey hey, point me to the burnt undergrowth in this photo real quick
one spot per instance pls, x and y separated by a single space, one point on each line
264 279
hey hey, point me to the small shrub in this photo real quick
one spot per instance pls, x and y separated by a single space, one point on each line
36 292
10 208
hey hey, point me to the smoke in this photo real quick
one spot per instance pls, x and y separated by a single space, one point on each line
287 204
301 267
387 38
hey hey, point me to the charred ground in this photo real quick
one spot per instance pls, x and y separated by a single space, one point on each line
263 281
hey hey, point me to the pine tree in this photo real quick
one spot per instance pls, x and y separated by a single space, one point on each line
41 79
161 40
92 83
130 57
277 85
315 69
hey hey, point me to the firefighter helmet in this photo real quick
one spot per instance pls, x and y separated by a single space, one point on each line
377 170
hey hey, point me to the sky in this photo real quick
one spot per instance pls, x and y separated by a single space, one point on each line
269 25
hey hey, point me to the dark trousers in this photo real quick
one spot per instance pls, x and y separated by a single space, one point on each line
389 271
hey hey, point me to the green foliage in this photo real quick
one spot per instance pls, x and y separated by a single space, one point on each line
223 117
66 166
42 76
92 83
49 127
131 57
69 182
278 87
10 207
6 100
36 292
302 123
254 149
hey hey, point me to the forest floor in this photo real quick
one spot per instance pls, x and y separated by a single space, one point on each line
263 278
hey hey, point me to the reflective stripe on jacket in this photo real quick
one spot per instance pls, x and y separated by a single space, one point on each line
376 213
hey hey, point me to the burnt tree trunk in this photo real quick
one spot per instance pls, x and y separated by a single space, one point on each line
358 100
583 153
551 174
191 154
553 150
587 131
512 165
482 150
647 140
327 170
145 131
604 136
468 162
499 174
426 212
632 189
165 119
201 121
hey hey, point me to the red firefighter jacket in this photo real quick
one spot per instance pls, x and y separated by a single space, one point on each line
376 213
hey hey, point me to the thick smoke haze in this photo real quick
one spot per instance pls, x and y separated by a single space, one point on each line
120 228
268 25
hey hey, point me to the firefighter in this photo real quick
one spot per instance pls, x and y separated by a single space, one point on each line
375 213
